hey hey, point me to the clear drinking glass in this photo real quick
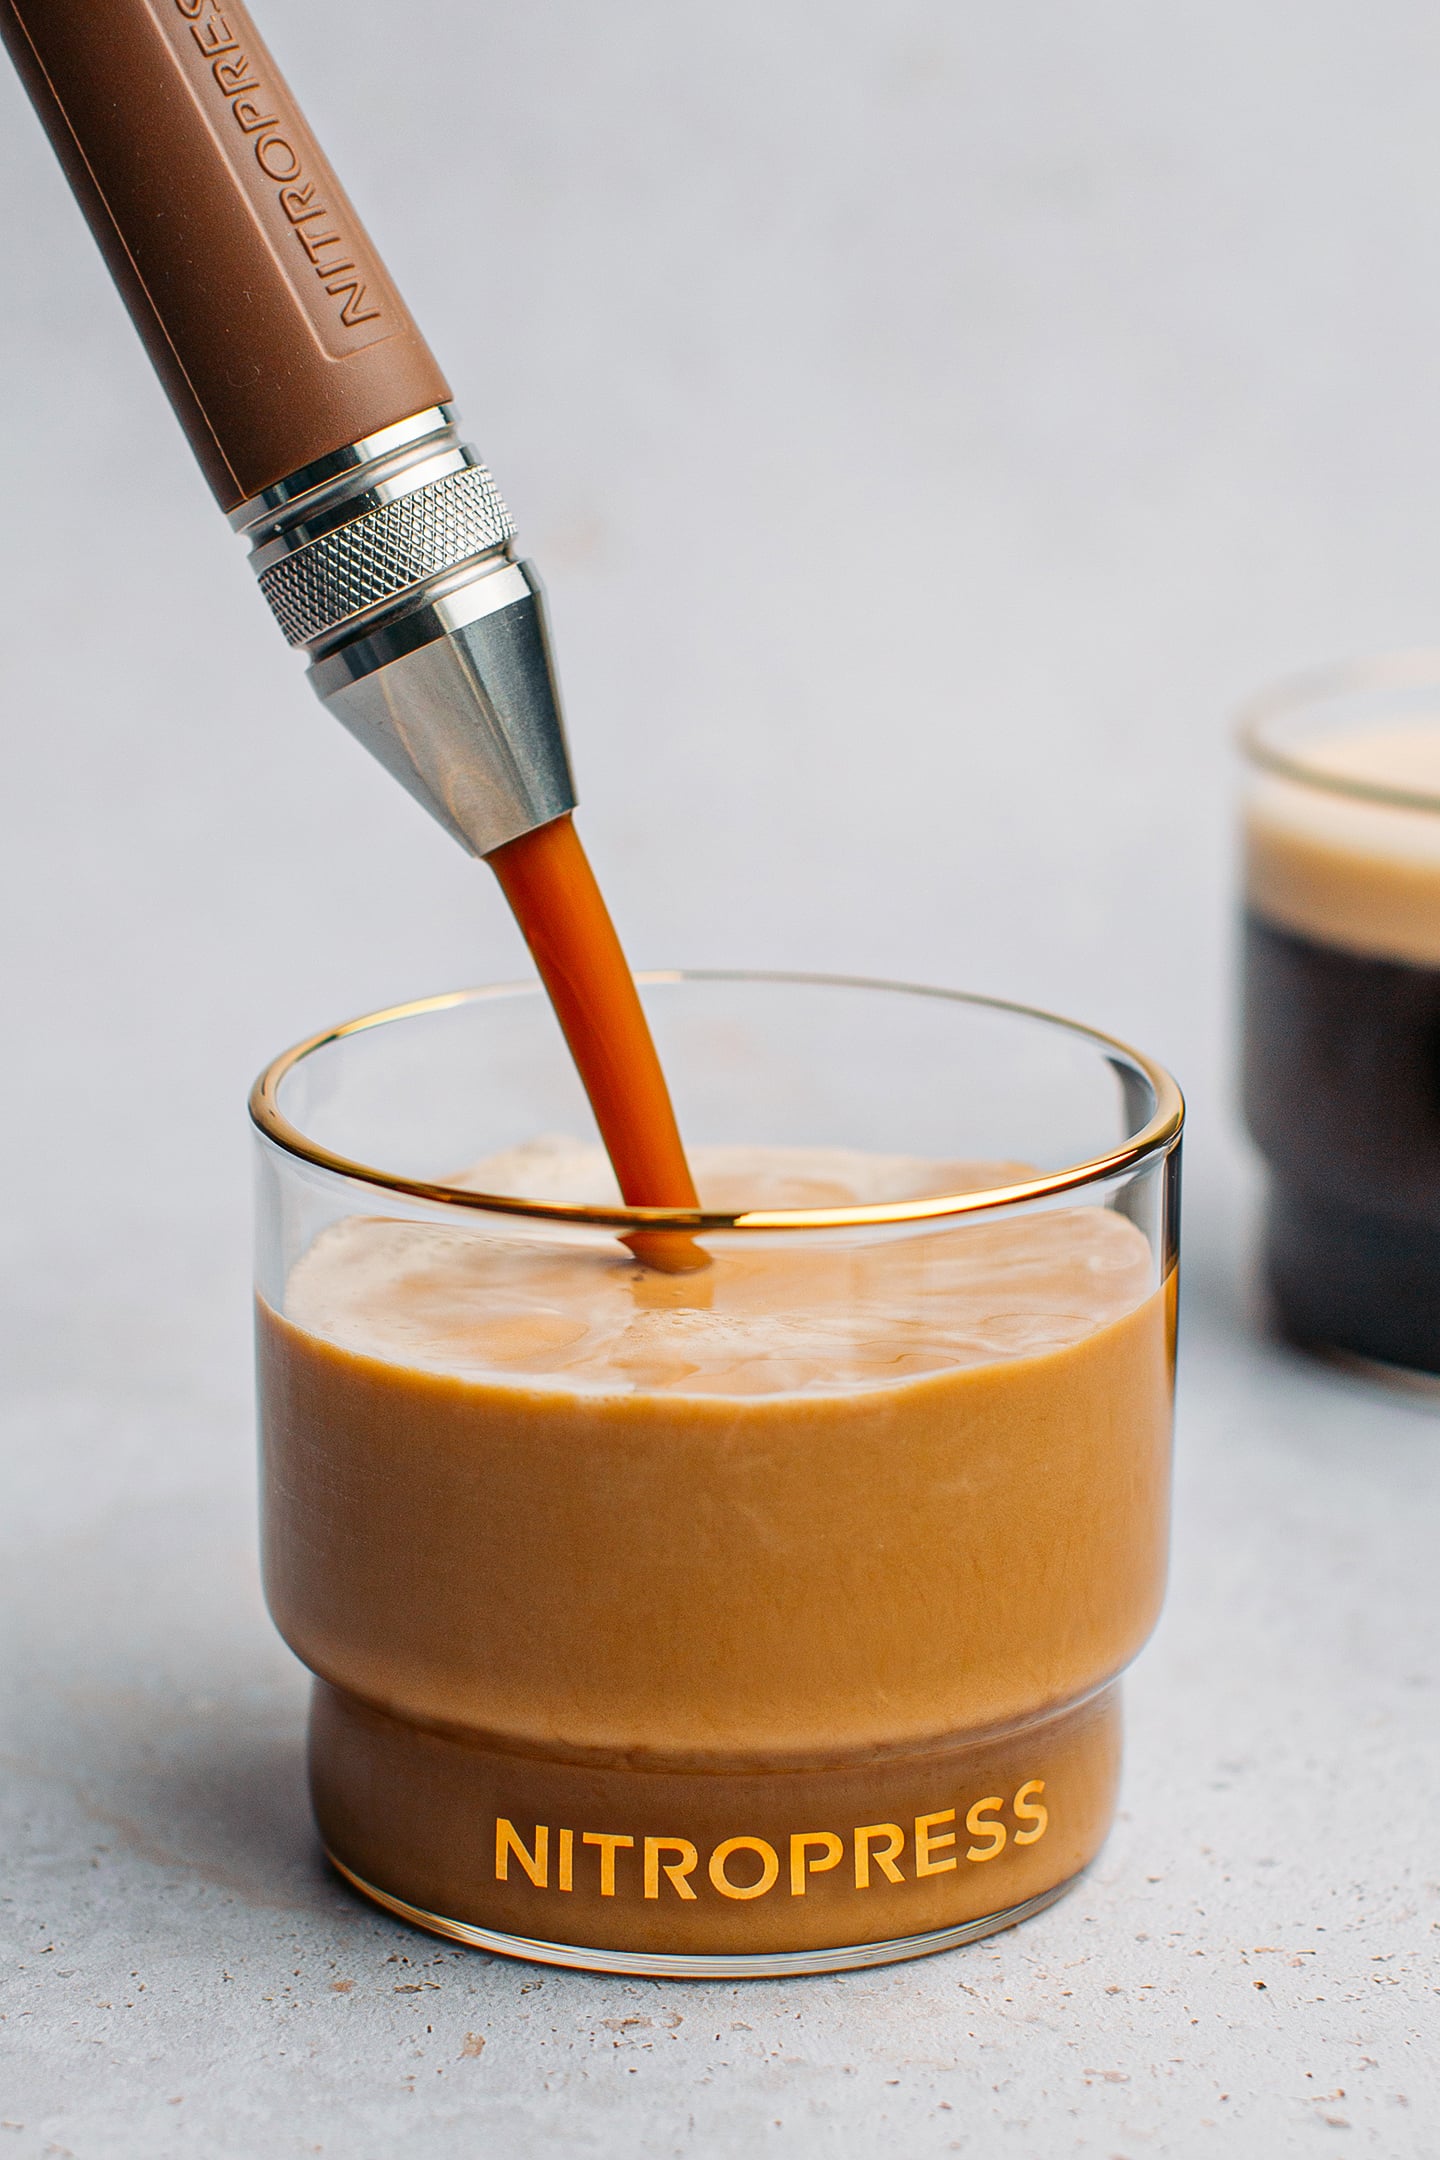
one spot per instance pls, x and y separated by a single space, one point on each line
1342 1002
763 1619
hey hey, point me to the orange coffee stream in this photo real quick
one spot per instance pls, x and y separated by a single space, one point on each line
547 879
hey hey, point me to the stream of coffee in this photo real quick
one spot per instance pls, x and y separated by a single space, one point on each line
547 879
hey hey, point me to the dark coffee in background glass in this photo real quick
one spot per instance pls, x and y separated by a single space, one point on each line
1342 1003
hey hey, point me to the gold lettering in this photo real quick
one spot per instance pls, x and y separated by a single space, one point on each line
507 1841
266 159
929 1840
769 1867
885 1861
565 1864
1028 1810
213 37
802 1842
980 1826
609 1845
250 118
685 1864
354 311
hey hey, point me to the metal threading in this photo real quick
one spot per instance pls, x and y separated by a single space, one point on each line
374 558
1159 1134
372 527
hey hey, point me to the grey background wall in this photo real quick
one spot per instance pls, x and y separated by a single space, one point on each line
929 419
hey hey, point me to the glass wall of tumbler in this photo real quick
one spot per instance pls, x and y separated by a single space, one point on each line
757 1617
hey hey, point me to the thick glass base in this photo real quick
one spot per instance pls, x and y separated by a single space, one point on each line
1346 1280
665 1868
782 1965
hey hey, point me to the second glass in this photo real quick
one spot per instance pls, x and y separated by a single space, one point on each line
757 1620
1342 1003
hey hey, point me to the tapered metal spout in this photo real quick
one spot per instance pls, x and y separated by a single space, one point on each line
383 547
390 564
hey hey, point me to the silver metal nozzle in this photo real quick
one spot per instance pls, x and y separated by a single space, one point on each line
390 564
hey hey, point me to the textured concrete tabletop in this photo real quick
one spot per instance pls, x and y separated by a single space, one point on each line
929 421
1250 1967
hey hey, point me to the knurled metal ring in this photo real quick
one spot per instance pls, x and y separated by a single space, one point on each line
380 554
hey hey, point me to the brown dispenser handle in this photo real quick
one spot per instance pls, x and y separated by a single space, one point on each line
267 313
314 406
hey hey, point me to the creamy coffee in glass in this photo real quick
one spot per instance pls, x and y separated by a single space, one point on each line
760 1619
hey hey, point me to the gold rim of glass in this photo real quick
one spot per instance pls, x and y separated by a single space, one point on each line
1282 700
1159 1134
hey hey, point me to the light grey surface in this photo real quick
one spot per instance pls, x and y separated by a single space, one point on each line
985 399
1249 1969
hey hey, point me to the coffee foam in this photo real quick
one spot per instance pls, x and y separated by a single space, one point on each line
1343 871
778 1316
